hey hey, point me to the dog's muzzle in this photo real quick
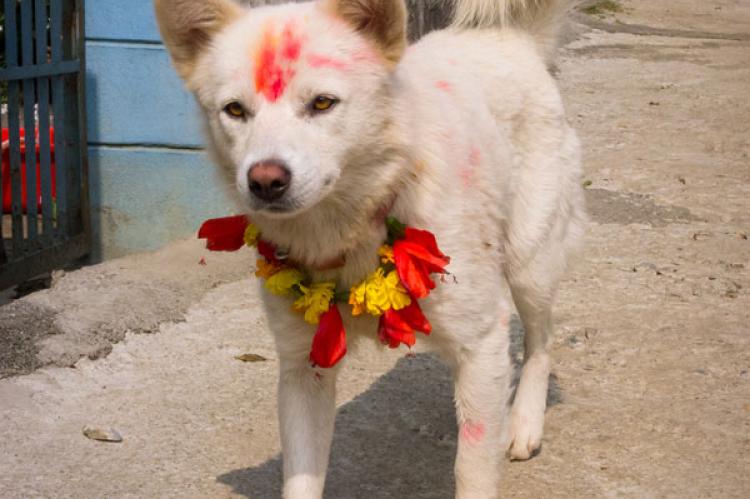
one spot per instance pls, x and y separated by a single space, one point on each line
269 180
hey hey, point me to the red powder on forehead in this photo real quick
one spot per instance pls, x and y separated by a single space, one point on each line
275 60
291 43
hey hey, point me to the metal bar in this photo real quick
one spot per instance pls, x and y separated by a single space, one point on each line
58 109
14 133
43 260
83 206
39 70
3 257
71 120
45 159
29 119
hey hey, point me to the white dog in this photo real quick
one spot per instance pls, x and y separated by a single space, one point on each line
324 119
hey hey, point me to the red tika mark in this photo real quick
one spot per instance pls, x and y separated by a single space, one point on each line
472 433
322 61
274 66
444 86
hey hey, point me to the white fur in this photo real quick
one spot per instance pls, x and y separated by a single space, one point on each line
468 135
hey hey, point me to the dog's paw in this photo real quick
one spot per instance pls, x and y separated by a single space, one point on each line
525 435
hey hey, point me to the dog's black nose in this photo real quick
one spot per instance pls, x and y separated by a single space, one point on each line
268 180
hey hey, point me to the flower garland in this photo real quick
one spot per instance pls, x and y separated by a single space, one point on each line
391 292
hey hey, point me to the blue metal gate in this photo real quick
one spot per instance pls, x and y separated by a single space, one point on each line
43 186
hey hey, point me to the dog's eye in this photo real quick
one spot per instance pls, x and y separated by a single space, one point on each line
323 103
235 110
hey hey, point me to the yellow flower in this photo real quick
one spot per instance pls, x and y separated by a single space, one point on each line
397 295
357 299
315 300
376 298
266 269
282 282
251 235
378 294
386 254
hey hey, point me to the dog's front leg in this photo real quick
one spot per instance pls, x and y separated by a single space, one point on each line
306 415
482 379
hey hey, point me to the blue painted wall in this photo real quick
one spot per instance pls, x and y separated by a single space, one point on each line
150 182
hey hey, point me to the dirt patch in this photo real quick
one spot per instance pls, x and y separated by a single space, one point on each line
22 326
600 7
87 311
611 207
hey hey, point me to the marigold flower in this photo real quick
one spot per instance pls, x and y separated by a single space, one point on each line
315 300
376 295
251 235
379 293
266 269
386 254
357 299
397 295
282 282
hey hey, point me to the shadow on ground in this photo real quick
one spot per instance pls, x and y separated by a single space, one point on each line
398 436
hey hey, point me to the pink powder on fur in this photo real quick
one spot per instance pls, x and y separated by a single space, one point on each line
367 55
322 61
444 86
472 433
468 171
475 156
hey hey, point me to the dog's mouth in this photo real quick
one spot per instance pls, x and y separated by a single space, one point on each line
278 209
292 204
285 208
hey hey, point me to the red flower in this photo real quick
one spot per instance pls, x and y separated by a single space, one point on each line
224 234
399 326
417 256
329 343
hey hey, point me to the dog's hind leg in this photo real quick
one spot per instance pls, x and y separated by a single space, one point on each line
482 384
548 221
530 402
533 286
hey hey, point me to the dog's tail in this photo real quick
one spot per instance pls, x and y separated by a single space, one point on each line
544 19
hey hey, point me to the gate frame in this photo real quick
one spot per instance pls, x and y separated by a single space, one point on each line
65 77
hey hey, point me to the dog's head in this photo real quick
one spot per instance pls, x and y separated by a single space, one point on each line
292 94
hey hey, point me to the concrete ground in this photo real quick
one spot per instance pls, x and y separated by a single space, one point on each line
651 386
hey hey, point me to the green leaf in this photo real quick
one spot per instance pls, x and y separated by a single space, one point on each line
396 229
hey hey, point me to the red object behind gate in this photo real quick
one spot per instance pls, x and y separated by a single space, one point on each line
5 172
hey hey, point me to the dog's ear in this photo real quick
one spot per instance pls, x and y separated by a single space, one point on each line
383 22
187 27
